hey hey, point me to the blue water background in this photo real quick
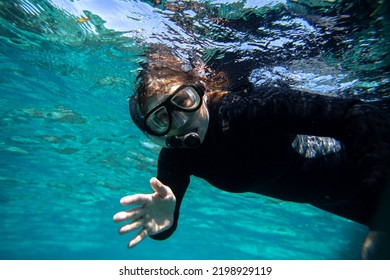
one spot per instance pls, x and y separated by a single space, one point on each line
69 151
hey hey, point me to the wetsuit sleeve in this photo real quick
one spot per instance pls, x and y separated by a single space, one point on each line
172 172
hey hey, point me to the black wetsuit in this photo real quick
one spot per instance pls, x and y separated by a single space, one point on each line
248 148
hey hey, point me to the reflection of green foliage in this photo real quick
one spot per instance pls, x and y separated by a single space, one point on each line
97 21
211 54
318 5
231 11
39 18
369 56
351 36
22 20
47 38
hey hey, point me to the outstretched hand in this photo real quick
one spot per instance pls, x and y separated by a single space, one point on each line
154 215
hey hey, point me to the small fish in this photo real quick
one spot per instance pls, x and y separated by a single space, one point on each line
83 19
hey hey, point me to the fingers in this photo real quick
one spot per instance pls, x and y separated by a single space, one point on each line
132 214
159 187
141 235
132 226
137 216
140 199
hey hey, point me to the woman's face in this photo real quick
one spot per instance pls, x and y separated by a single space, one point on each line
185 112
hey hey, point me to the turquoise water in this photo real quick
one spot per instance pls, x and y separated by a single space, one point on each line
69 151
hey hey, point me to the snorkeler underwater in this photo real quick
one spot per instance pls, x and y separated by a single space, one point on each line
233 129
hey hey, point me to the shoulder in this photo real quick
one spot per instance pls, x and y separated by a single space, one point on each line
251 97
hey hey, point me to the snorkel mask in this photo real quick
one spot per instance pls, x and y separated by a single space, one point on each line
158 122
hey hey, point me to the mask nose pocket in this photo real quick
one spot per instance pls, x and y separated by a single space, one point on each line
179 119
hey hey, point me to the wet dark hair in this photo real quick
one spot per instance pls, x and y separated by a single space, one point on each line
163 68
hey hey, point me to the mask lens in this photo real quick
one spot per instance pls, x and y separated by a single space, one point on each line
187 99
158 121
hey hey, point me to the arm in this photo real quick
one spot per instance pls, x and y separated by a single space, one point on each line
171 172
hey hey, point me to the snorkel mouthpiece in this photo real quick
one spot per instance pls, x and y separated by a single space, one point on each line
189 140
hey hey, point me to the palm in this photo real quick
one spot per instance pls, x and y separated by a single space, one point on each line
153 216
159 213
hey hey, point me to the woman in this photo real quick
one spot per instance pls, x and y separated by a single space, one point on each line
241 141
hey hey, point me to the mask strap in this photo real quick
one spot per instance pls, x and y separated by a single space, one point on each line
136 114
